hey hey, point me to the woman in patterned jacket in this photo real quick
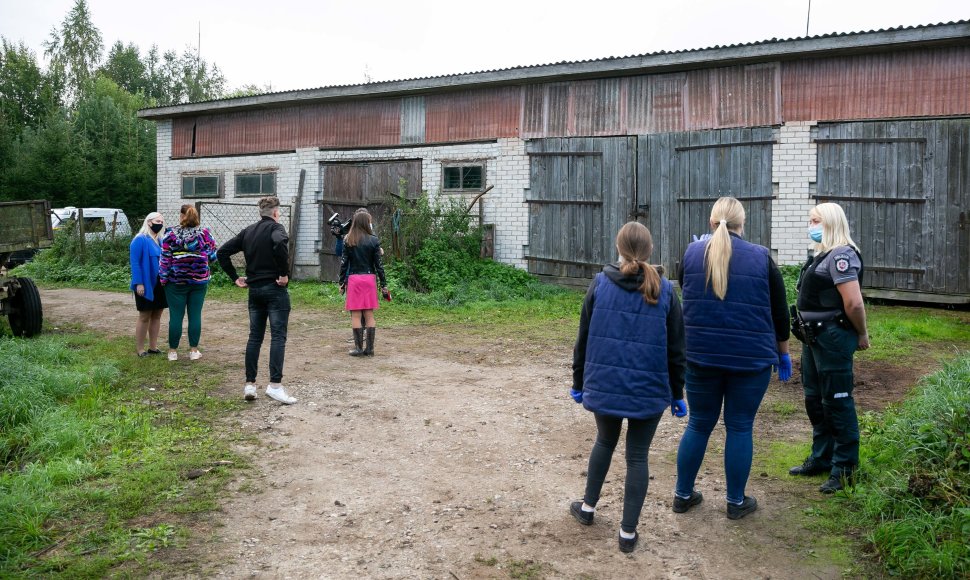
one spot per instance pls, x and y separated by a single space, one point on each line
187 250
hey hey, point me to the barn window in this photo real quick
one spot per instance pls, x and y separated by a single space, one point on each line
463 177
256 183
208 185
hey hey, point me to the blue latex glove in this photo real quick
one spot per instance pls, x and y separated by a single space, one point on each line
679 408
701 238
576 395
784 366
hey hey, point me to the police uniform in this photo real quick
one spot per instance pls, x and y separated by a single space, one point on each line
827 359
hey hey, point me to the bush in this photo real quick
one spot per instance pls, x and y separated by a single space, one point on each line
102 263
440 261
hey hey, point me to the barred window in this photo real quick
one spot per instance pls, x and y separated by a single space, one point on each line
194 186
463 177
256 184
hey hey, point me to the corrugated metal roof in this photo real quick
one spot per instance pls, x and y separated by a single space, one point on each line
661 60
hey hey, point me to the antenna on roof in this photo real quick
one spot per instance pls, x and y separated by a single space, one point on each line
809 17
198 47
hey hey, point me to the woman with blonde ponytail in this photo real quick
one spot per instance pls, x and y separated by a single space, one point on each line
628 363
736 324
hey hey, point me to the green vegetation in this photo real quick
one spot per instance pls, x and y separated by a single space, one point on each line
900 332
94 448
912 500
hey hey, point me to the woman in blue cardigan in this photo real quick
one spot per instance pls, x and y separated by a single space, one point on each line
150 301
628 363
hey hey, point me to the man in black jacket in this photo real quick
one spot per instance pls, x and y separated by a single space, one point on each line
265 245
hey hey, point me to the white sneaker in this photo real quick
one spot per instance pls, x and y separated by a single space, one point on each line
173 355
194 355
249 392
279 394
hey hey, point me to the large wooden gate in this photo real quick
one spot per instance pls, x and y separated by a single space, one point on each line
581 192
348 186
681 175
905 188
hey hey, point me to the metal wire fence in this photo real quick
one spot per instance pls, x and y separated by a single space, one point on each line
226 219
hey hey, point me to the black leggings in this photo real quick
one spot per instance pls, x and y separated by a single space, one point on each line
639 435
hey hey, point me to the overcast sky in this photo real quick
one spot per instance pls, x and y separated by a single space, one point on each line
300 44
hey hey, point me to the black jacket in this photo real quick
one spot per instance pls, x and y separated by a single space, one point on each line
265 245
364 258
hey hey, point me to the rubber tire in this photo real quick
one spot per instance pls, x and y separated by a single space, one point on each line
26 313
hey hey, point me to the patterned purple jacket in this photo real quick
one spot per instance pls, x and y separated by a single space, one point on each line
186 253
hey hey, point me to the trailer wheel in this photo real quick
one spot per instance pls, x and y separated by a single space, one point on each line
26 313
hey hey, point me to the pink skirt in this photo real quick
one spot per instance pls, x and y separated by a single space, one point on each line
362 292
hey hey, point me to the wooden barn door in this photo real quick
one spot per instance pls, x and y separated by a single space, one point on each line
348 186
581 192
681 175
905 189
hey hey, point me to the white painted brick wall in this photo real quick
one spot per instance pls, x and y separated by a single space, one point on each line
506 167
793 173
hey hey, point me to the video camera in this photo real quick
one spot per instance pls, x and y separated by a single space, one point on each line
338 228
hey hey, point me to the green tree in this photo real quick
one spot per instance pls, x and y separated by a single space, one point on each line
46 162
75 49
125 67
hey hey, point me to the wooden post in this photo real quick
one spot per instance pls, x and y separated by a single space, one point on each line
295 220
80 231
114 226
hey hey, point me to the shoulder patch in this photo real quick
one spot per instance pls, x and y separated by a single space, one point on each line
841 262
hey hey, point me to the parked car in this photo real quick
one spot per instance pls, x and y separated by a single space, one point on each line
99 222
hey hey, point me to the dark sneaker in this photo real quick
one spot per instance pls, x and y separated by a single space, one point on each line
627 546
681 505
835 483
736 512
810 467
585 518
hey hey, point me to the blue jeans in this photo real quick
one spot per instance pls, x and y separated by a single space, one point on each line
273 302
741 394
639 435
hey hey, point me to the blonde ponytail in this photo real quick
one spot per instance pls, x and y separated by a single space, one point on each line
728 214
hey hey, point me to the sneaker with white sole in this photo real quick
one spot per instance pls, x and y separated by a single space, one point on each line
194 355
173 355
249 392
279 394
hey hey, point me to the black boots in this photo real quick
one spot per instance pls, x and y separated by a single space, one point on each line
358 343
369 349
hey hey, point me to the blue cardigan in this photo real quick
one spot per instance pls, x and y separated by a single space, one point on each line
144 255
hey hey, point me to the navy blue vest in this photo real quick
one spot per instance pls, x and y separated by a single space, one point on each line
626 353
736 333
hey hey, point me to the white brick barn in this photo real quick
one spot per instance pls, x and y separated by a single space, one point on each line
876 121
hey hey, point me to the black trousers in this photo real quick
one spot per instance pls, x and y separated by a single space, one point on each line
639 436
272 302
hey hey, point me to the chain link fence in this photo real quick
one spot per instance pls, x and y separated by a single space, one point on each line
226 219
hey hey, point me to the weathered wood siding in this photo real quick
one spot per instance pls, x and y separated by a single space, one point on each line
681 175
905 188
581 192
348 186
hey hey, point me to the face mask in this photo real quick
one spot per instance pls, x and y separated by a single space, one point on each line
157 227
372 227
815 232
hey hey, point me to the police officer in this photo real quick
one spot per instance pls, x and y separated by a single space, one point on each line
834 319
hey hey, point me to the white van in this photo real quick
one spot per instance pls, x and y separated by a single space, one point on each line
99 222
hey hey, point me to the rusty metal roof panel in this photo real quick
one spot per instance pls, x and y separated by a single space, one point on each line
662 61
655 103
926 82
470 115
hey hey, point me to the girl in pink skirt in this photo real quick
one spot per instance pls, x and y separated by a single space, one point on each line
360 265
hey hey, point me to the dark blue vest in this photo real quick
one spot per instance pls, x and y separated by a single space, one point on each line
626 353
735 333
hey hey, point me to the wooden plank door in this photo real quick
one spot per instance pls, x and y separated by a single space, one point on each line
581 192
348 186
681 175
903 186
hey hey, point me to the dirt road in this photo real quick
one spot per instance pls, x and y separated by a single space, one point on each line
452 456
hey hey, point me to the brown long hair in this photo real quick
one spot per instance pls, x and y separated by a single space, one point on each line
359 228
635 245
189 217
